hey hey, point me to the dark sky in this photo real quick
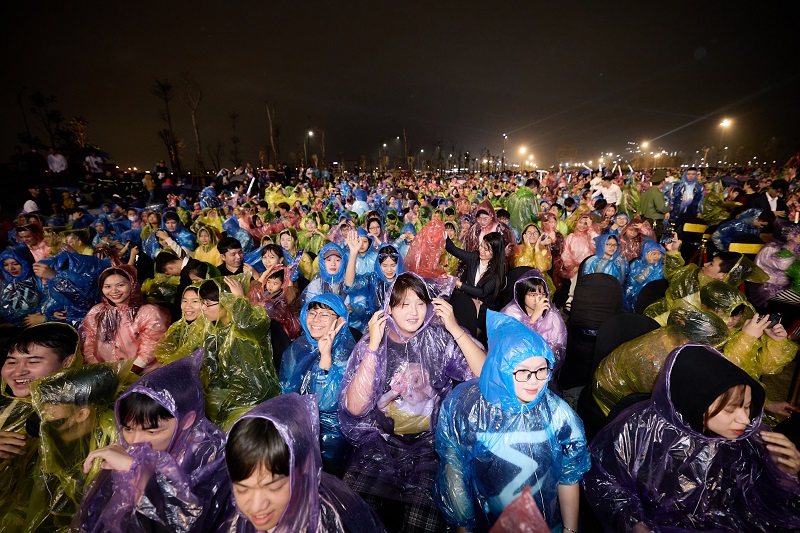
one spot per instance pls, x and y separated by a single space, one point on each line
588 75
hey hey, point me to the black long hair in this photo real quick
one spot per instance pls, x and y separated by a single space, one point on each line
496 270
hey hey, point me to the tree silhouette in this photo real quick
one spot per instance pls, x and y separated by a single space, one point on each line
164 91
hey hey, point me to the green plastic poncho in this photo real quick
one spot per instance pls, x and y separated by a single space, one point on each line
634 366
523 206
182 338
630 197
237 372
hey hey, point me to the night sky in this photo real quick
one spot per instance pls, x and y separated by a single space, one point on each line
588 75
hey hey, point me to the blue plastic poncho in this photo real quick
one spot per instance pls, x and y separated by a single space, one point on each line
104 236
300 372
73 289
744 224
400 242
643 273
375 286
359 296
318 502
326 282
232 228
19 296
685 200
184 488
617 266
181 235
208 198
651 465
492 445
394 456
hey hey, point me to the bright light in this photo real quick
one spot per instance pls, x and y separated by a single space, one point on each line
530 157
645 144
657 156
522 149
422 151
384 145
505 136
485 160
310 133
725 123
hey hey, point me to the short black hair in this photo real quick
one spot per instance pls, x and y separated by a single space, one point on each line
275 249
780 185
600 204
138 409
209 290
163 259
767 216
569 201
523 287
503 213
228 243
171 215
320 305
729 260
60 338
408 282
277 274
255 443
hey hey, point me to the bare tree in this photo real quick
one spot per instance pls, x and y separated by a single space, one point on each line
235 156
192 95
272 133
164 91
215 154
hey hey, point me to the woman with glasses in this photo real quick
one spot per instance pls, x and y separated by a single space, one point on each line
505 431
314 364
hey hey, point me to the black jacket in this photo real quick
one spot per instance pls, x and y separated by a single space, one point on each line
485 290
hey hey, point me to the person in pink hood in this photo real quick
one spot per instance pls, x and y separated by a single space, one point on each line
123 326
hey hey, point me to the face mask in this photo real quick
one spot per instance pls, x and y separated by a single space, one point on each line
132 218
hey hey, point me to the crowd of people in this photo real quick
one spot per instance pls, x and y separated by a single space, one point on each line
573 349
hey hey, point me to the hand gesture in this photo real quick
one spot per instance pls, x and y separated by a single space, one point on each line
12 444
783 452
353 241
43 271
755 326
325 343
777 332
32 320
114 457
675 245
444 310
234 285
377 327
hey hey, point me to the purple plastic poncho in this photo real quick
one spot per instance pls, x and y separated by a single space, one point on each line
184 488
775 258
394 456
493 446
319 502
649 465
550 326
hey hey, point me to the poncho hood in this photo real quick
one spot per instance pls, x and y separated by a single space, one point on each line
22 255
694 375
510 343
338 277
380 257
392 325
297 420
650 245
135 300
723 299
600 246
335 302
408 226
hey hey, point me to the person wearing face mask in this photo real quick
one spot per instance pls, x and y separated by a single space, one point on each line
695 456
167 469
505 431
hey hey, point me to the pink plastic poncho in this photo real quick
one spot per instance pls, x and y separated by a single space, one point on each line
182 489
131 331
424 253
394 456
577 246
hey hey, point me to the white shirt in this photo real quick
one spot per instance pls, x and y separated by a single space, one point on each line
479 272
57 163
773 202
612 194
94 164
30 206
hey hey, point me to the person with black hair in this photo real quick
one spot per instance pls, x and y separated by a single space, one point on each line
750 222
773 199
230 250
274 465
275 292
484 275
167 469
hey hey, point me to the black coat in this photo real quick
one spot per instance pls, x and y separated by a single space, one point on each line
485 290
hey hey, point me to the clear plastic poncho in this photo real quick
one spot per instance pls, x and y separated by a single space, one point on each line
368 293
237 372
318 502
642 273
181 235
492 445
523 206
577 246
715 209
73 290
550 326
632 236
649 465
300 373
326 282
19 296
232 228
634 366
744 224
617 266
278 307
393 439
775 259
182 489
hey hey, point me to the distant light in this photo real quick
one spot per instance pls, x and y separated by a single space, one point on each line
398 137
384 145
725 123
310 133
522 149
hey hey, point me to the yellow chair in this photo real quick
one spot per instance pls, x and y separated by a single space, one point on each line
745 248
694 228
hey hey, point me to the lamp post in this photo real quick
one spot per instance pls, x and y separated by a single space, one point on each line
723 126
305 147
503 160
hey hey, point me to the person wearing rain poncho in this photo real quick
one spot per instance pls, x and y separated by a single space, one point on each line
649 267
361 261
19 293
315 363
33 237
182 237
487 223
277 295
72 406
577 246
167 471
207 246
274 465
331 274
695 456
775 259
532 250
606 259
396 378
754 345
632 236
103 234
122 326
685 281
716 209
506 431
232 228
186 334
686 199
634 366
750 222
312 238
238 371
531 305
403 242
33 354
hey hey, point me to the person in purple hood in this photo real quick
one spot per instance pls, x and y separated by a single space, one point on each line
167 472
395 381
275 467
695 456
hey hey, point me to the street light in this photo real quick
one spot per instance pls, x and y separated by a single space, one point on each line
503 161
305 147
723 125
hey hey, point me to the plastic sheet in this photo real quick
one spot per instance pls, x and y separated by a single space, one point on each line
184 488
161 288
73 290
493 445
281 306
521 516
393 438
744 224
129 331
650 466
715 209
642 273
19 296
300 372
318 502
424 253
630 201
237 372
775 259
550 326
634 366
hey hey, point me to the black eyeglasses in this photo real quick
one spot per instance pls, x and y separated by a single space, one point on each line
381 257
524 376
